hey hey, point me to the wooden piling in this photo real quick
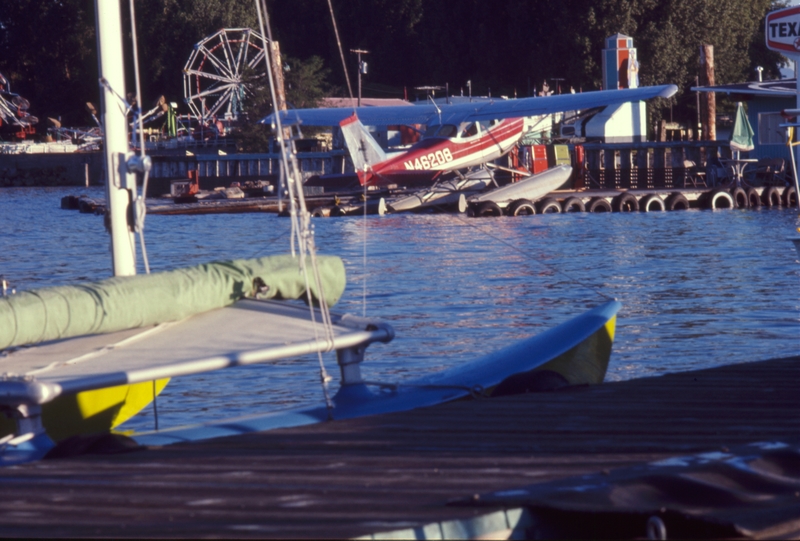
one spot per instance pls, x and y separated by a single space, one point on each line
708 108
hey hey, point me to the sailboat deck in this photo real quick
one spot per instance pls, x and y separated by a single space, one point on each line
389 472
246 332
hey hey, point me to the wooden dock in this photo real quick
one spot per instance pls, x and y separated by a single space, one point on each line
398 471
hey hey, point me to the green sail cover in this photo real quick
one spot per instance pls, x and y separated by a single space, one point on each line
119 303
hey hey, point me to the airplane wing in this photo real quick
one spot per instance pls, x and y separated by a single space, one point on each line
463 112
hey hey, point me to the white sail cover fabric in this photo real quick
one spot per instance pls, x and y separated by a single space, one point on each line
248 332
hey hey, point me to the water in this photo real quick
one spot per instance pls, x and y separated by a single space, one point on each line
698 288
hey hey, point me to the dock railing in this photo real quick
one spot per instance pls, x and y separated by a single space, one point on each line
220 170
652 165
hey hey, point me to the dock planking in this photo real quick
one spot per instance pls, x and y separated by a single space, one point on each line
357 477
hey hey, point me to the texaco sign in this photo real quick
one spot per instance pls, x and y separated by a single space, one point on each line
783 31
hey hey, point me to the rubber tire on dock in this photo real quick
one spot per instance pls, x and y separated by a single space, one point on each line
521 207
651 202
771 197
718 199
753 199
789 197
598 204
321 212
488 208
573 204
548 205
740 199
676 201
625 202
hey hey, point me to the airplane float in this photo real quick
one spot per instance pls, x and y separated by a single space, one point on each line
458 136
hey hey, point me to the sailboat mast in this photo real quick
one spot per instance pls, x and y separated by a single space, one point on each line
120 184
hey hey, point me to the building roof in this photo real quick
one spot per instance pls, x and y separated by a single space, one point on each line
782 88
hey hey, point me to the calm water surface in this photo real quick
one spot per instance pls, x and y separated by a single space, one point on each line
698 288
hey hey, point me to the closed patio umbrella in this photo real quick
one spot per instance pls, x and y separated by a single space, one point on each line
742 135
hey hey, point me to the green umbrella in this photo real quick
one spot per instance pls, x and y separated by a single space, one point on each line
742 135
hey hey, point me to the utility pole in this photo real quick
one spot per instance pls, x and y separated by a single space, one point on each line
362 68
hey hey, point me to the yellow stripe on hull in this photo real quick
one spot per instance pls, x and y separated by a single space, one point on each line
93 411
587 362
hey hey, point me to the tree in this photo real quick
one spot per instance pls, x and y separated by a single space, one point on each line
47 51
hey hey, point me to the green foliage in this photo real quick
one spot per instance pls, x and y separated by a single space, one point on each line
305 83
47 53
511 46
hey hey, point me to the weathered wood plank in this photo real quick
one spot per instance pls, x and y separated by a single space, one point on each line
355 477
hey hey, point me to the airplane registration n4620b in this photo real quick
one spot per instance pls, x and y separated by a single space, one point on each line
458 136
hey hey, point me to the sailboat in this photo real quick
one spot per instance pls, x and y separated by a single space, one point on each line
84 358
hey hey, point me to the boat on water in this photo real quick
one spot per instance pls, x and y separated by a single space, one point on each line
84 358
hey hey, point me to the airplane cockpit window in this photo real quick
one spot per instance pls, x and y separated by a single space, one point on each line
447 130
431 131
486 124
468 129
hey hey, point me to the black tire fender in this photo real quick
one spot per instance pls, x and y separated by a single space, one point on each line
488 208
598 204
719 199
651 202
676 201
789 197
521 207
740 198
573 204
753 199
771 197
625 202
548 205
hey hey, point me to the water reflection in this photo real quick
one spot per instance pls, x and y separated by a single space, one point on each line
698 289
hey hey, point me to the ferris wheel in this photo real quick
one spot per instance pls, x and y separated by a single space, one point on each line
214 82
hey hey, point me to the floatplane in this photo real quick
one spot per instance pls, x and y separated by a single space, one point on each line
458 137
81 359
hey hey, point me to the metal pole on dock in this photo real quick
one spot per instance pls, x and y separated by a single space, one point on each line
362 68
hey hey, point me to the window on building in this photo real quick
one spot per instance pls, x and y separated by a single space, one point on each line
769 132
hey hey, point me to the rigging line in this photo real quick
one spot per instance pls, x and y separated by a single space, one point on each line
300 224
529 256
140 203
269 243
350 92
341 53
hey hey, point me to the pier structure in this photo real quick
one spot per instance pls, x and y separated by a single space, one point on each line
467 469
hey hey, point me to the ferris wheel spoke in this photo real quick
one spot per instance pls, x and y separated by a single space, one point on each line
211 76
214 91
254 61
218 64
222 101
213 73
229 56
241 57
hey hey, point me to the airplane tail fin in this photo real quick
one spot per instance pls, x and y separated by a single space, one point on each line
364 149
